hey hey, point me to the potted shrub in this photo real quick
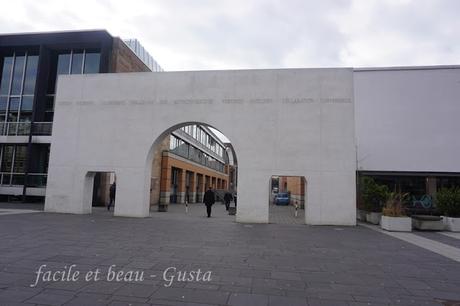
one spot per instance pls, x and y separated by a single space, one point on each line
373 196
394 217
448 202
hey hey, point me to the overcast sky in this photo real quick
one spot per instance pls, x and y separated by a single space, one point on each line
239 34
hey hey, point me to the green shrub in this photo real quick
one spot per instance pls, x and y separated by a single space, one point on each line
374 195
448 201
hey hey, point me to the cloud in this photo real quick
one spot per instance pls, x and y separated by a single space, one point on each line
208 34
385 33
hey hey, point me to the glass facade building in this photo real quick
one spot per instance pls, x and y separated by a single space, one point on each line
198 144
421 188
30 65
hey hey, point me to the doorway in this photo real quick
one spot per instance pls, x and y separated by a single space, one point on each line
287 199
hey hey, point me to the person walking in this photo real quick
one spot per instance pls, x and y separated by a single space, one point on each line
209 199
112 191
227 198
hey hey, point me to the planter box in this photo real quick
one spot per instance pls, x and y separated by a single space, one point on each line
427 223
361 215
373 217
452 224
396 224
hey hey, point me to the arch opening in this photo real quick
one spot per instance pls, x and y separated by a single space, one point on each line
99 191
186 160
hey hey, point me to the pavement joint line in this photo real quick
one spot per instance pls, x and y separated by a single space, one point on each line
451 234
428 244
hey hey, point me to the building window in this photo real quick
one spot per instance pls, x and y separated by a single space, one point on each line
77 62
92 62
63 64
12 167
17 87
175 173
194 128
6 75
80 61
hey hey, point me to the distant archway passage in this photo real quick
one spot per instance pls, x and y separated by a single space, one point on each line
186 160
287 199
299 122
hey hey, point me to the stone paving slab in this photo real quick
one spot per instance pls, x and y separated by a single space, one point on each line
257 264
441 237
433 245
455 235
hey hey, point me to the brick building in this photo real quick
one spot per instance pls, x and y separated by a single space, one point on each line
295 186
190 160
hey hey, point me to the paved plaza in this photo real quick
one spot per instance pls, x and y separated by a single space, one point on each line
250 264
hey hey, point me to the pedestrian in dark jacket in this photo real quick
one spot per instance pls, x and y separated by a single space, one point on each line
227 198
209 199
112 191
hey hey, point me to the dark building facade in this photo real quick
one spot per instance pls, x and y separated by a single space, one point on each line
29 68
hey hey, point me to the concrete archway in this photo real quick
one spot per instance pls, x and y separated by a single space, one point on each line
299 122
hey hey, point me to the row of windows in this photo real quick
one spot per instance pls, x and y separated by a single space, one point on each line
13 158
181 148
204 138
79 61
17 86
13 165
18 79
19 73
73 62
415 185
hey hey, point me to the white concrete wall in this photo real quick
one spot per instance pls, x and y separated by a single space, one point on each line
280 122
408 120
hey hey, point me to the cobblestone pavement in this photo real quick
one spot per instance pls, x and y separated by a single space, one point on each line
250 264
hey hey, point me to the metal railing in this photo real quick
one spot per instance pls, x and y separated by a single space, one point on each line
38 180
18 179
184 151
15 128
42 128
11 178
23 128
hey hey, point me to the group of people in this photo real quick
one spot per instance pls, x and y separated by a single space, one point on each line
210 198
